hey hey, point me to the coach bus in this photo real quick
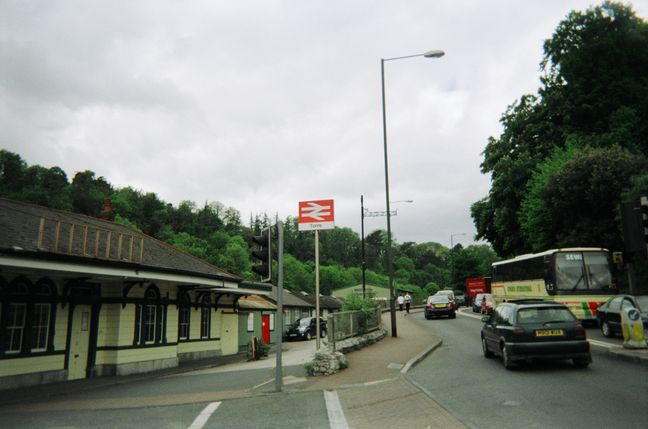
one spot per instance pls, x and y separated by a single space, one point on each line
580 278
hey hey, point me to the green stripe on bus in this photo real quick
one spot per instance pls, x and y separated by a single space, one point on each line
586 309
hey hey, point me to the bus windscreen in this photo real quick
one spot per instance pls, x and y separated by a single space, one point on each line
582 271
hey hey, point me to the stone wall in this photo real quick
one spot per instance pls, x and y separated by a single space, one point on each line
328 361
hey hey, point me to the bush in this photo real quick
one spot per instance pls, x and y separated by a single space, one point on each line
366 307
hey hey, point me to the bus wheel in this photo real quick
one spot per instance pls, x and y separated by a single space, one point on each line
581 363
605 330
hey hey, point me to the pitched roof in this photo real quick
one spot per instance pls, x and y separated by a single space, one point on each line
36 232
255 302
289 298
325 301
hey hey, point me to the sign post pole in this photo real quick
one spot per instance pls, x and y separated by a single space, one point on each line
313 216
317 289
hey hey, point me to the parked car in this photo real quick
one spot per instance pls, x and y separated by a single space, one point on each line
304 329
450 294
439 305
523 330
608 315
460 300
477 304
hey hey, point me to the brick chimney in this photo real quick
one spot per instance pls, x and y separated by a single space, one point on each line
107 213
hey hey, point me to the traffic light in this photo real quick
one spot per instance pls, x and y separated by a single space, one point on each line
263 254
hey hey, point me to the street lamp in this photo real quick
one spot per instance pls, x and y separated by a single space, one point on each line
392 305
454 235
363 214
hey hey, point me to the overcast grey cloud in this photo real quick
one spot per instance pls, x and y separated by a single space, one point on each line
262 104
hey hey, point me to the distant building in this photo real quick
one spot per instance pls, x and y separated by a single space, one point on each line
327 304
256 319
294 306
370 290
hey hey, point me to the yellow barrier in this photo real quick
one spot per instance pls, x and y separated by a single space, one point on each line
634 336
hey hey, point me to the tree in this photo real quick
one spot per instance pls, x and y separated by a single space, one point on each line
235 257
593 92
89 193
340 246
583 197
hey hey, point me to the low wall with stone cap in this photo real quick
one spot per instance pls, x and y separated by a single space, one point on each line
328 361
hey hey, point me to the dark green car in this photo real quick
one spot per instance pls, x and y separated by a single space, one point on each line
523 330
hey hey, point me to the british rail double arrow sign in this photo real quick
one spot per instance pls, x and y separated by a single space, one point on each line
315 215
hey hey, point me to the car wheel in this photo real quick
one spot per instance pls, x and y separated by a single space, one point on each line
453 315
323 333
605 330
581 362
506 358
308 336
487 353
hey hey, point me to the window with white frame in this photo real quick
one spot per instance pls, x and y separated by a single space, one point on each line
26 314
149 320
205 318
183 323
184 316
15 327
250 322
40 326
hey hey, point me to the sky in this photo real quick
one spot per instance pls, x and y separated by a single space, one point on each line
259 105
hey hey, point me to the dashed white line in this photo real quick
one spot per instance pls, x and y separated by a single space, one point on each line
334 410
204 415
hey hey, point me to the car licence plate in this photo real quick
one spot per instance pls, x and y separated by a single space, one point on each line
439 306
549 333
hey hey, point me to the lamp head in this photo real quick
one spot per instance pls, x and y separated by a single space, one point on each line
434 54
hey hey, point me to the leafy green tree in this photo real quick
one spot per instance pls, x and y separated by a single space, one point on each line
340 246
297 275
89 193
235 258
334 277
191 244
593 92
584 197
12 168
126 222
535 216
431 288
46 187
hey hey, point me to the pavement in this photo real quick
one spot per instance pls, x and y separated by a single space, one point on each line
369 390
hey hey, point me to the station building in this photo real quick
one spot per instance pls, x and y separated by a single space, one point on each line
85 297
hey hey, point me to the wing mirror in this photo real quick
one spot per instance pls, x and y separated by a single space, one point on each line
485 319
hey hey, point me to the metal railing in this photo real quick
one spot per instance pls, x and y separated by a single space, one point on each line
347 324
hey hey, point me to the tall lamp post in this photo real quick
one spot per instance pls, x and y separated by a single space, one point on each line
390 270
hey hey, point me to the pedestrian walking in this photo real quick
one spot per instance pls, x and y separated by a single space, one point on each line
401 301
408 301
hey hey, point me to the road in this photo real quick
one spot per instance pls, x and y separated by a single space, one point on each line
477 391
482 394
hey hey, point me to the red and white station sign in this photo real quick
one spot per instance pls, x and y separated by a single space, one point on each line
315 215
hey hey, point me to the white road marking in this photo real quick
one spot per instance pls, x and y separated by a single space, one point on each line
334 410
602 344
204 415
